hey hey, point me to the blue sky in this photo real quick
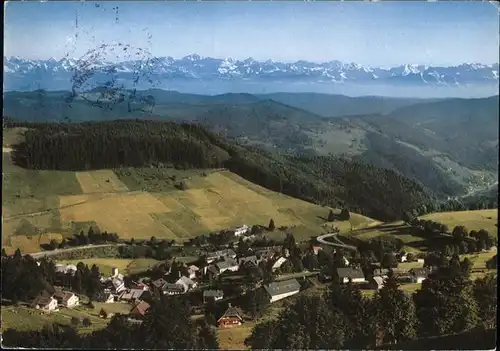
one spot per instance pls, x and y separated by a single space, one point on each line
377 34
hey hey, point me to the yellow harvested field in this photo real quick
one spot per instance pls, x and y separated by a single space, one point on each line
220 200
24 243
127 214
102 181
47 237
472 220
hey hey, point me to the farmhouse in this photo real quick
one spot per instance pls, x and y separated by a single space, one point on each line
44 302
241 230
66 298
249 261
279 262
118 285
212 295
131 295
140 309
229 264
212 256
230 318
354 275
66 269
186 283
280 290
419 274
116 274
172 289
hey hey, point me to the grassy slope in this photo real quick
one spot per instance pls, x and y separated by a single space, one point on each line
472 220
141 203
24 318
125 266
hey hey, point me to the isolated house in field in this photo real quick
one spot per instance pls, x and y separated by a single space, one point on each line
402 256
418 275
241 230
139 310
229 264
279 262
45 303
280 290
231 318
66 299
212 295
186 283
355 275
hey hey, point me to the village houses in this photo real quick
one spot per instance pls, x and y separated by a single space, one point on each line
212 295
66 298
213 256
355 275
241 230
45 302
231 318
280 290
186 283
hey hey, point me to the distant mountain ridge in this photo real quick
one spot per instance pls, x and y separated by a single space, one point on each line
24 74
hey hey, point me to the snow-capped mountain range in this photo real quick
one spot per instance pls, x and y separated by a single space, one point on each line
21 74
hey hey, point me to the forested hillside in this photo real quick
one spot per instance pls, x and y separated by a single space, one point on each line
378 193
448 146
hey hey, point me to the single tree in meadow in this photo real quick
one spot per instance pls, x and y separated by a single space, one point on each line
331 216
272 226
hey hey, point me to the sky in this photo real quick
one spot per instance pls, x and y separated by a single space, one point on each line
378 34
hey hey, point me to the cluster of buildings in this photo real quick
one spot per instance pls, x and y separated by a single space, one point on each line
190 278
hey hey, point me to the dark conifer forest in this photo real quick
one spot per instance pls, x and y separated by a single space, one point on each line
325 180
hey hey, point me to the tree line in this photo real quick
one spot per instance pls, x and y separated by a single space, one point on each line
448 302
24 278
326 180
458 240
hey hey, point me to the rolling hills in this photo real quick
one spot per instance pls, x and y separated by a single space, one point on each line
40 205
433 142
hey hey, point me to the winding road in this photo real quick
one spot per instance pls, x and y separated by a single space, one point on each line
338 243
58 251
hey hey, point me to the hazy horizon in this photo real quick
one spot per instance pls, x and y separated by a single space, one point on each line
371 34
